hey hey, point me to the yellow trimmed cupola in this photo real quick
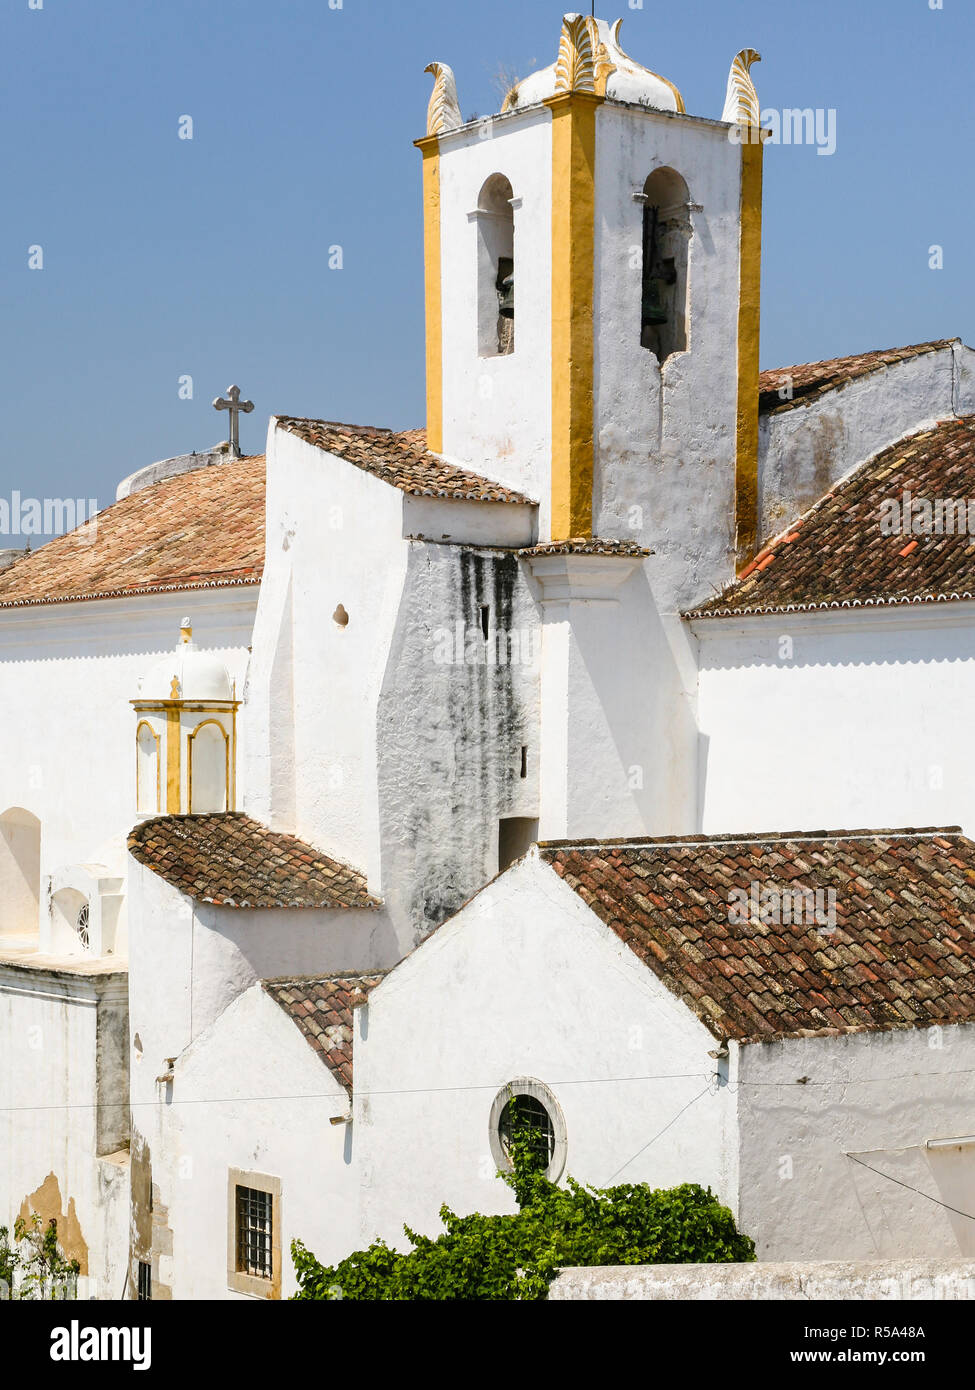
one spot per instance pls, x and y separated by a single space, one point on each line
186 734
592 294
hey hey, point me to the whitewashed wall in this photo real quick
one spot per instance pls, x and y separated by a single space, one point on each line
67 675
880 1096
64 1109
525 982
865 725
251 1094
666 439
497 411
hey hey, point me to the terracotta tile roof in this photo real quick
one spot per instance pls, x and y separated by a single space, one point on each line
586 545
836 556
195 531
401 460
810 380
902 954
322 1009
233 861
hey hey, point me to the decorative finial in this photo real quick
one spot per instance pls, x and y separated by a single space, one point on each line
235 405
185 632
443 113
584 64
741 105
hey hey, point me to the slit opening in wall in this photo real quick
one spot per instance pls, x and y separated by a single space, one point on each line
524 761
485 621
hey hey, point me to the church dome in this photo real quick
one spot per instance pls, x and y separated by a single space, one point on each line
597 44
187 674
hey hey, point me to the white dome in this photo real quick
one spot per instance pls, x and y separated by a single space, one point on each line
198 675
629 81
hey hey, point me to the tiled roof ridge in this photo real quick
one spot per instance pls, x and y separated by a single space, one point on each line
326 977
585 545
770 837
871 362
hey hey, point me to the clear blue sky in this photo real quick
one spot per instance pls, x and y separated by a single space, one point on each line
210 257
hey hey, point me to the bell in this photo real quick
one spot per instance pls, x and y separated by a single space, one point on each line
654 312
506 297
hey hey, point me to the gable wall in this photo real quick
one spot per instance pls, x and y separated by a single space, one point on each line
526 982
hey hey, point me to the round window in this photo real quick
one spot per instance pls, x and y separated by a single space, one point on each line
82 926
525 1113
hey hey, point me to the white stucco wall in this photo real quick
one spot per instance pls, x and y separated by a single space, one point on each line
619 737
864 726
666 439
67 675
64 1109
333 537
251 1094
497 411
880 1096
804 450
525 982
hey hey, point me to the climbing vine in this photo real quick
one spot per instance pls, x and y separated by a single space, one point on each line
516 1257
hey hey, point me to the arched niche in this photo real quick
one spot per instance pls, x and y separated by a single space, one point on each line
666 243
20 873
209 769
148 770
495 219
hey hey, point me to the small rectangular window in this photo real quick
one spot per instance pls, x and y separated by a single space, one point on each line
254 1234
145 1282
255 1210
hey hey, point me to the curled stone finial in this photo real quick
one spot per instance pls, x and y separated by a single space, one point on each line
584 62
443 112
741 106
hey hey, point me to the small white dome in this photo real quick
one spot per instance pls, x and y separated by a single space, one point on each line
197 675
629 82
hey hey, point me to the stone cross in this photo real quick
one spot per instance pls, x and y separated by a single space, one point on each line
235 405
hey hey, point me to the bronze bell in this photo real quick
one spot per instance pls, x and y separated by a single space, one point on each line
506 288
654 312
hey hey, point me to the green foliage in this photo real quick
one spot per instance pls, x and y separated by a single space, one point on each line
33 1267
516 1257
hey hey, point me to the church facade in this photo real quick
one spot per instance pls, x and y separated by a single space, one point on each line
596 749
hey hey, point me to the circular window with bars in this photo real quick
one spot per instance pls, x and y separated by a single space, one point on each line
81 926
526 1116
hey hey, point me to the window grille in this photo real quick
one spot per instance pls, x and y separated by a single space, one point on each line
254 1217
527 1117
145 1282
82 926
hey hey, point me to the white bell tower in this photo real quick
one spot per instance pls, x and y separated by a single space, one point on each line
592 272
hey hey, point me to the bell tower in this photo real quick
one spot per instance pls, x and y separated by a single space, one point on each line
592 299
